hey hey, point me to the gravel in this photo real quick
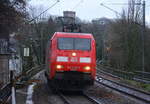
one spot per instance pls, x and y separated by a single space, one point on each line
109 96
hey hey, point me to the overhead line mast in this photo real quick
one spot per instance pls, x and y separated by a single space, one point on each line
143 38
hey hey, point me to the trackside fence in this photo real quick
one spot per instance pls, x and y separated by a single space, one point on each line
5 93
137 75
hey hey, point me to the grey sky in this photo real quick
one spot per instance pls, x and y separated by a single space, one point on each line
87 9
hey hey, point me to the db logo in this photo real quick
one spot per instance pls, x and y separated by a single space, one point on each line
74 59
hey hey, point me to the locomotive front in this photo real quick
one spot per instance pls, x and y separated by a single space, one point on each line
73 60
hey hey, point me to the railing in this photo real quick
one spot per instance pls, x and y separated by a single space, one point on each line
142 75
30 73
5 93
137 75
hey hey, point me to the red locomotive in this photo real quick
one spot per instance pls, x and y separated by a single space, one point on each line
71 60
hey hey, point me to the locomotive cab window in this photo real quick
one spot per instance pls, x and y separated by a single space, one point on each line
74 44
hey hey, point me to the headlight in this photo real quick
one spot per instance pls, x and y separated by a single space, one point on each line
87 68
74 54
59 66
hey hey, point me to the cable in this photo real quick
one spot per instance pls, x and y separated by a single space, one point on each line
121 3
116 3
117 12
77 4
109 8
44 11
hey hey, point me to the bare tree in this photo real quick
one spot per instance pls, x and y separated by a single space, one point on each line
12 14
125 38
134 11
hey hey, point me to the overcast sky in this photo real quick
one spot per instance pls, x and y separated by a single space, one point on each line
85 9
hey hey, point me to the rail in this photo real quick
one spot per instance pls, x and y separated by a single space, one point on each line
92 99
68 101
133 92
64 98
84 95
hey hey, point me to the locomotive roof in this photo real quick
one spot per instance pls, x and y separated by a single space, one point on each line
67 34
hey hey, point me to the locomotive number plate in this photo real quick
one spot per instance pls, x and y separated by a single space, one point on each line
74 68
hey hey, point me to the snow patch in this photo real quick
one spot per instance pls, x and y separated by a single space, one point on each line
30 93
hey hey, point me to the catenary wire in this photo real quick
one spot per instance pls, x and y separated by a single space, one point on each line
44 11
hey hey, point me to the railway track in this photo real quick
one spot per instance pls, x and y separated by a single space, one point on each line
78 99
130 91
73 97
101 73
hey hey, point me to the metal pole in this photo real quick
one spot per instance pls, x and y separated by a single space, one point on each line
103 45
143 35
11 77
13 95
12 81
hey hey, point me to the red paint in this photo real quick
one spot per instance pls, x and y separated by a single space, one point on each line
73 63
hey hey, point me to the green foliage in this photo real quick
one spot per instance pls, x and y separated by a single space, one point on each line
140 85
